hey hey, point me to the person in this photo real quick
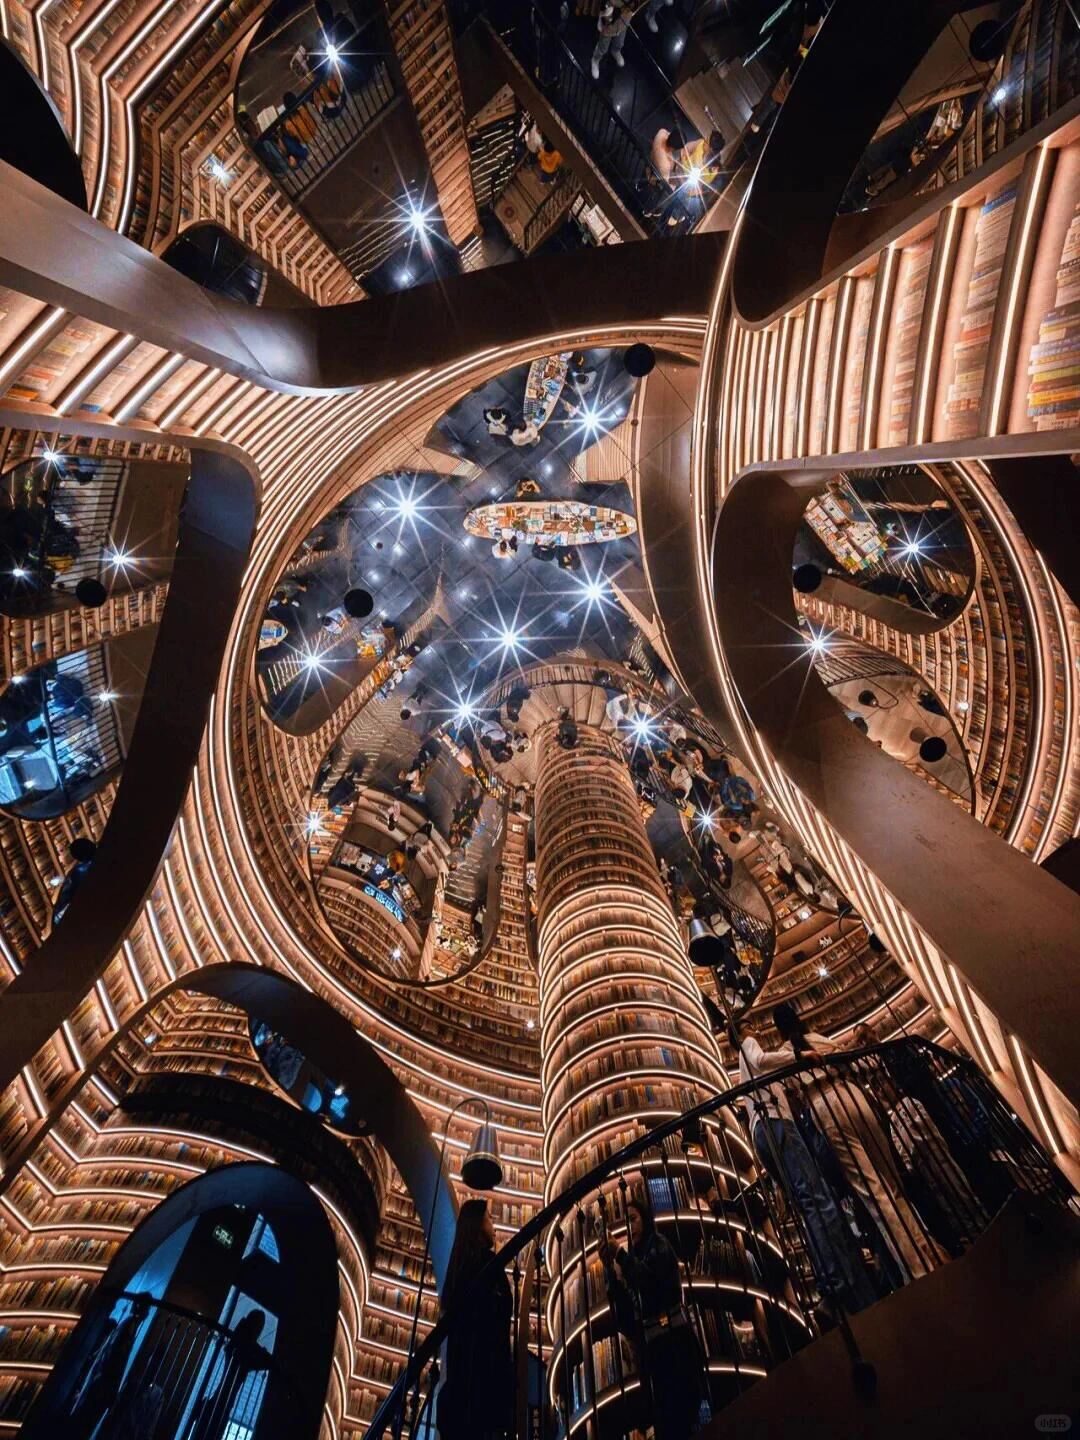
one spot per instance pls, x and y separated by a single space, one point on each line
502 550
682 782
241 1355
534 142
342 792
102 1386
525 434
544 550
653 10
550 163
864 1035
784 1153
579 375
568 731
612 24
927 1160
476 1401
569 559
666 146
843 1115
643 1282
526 487
497 420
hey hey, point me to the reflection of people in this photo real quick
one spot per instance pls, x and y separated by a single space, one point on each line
99 1391
239 1356
477 1399
647 1273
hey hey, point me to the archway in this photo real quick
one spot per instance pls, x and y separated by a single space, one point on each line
216 1317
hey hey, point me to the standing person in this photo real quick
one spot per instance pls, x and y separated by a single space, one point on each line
612 24
784 1154
101 1390
550 163
643 1279
843 1115
666 148
653 9
476 1401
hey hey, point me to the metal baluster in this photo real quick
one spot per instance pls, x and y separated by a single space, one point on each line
688 1282
620 1374
590 1371
560 1280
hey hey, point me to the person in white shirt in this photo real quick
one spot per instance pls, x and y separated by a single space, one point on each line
785 1155
844 1116
664 153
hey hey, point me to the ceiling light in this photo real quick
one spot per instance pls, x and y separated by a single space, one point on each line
333 54
693 175
312 662
705 819
120 559
406 507
548 467
823 971
19 573
510 638
530 1024
962 705
18 679
404 277
395 954
51 457
417 218
642 730
817 642
313 824
465 712
107 696
1000 95
219 172
913 547
398 547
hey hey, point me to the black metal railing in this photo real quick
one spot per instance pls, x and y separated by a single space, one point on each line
605 137
157 1370
342 102
547 215
786 1204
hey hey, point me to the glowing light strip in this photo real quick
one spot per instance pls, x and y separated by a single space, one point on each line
949 233
120 346
870 396
996 418
166 366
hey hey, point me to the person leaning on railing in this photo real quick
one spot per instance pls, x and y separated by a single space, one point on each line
476 1401
844 1116
784 1153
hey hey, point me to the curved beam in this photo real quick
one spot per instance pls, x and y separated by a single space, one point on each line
217 524
845 86
50 250
320 1031
1006 925
34 140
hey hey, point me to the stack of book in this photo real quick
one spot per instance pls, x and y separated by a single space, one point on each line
972 348
1054 391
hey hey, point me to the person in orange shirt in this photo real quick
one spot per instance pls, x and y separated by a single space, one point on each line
550 162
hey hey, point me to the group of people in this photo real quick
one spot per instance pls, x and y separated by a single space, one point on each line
476 1401
286 144
581 377
862 1137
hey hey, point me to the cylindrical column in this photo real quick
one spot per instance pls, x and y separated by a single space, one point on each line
624 1037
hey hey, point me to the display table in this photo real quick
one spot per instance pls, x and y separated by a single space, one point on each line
550 522
543 386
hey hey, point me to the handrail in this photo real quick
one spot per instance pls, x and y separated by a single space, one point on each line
299 155
899 1052
612 145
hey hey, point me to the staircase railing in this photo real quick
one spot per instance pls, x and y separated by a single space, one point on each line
608 141
789 1201
544 219
327 118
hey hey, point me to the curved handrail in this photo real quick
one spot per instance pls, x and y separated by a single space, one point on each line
393 1406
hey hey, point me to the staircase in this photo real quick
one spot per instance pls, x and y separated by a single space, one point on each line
528 210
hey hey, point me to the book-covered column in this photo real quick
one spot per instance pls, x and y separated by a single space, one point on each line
624 1039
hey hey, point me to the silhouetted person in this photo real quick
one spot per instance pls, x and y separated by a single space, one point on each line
643 1279
101 1390
477 1399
